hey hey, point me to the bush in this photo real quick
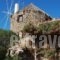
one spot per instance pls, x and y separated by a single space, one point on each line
5 42
47 53
44 27
3 51
30 28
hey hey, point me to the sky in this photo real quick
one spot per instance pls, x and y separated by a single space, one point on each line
51 7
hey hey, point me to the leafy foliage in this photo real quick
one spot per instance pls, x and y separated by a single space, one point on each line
44 27
48 27
47 53
30 28
3 51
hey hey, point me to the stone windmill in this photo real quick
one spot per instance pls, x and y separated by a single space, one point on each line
30 13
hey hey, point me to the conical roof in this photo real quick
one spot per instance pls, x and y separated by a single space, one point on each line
31 6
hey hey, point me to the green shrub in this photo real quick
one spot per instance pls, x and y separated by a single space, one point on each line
44 27
3 52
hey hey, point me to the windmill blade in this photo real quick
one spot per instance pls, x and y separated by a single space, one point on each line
2 20
6 22
9 13
12 1
7 19
4 12
7 4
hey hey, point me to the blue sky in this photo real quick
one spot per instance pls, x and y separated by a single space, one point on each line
52 7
